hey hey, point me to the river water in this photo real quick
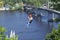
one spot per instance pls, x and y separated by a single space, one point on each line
17 21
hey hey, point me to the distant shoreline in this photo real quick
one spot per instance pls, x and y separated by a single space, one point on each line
3 9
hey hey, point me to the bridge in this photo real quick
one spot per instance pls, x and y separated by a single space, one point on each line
48 15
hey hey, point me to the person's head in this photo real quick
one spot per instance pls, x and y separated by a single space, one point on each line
30 14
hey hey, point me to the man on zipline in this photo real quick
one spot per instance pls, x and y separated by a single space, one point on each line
30 18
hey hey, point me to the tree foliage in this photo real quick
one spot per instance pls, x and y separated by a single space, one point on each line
56 20
54 35
56 4
2 29
36 3
5 37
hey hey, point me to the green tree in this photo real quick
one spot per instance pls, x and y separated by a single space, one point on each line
56 4
2 29
5 37
14 38
2 35
54 35
36 3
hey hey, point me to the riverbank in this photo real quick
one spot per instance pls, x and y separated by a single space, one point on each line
3 8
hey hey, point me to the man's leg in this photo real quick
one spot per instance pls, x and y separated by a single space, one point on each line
30 21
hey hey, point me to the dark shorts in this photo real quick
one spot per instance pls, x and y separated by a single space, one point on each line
30 21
